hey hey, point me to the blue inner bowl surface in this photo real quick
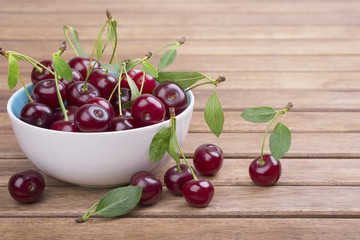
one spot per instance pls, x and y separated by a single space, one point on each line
20 99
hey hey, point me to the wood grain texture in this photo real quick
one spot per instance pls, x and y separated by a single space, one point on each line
163 228
234 172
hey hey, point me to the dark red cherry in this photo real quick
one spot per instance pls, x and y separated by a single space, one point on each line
147 110
265 174
102 102
37 76
45 92
64 126
149 82
125 113
152 188
175 179
198 193
26 186
124 83
76 78
104 82
71 110
208 159
82 63
92 118
125 96
37 114
172 95
77 97
121 123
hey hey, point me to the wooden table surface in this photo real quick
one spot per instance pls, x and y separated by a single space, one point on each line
271 52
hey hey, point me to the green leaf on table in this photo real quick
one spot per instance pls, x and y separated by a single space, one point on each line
13 74
280 141
167 58
183 79
76 41
258 114
113 67
159 144
119 201
99 49
149 69
214 115
62 68
173 147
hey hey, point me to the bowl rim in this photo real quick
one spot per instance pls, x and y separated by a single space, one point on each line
45 130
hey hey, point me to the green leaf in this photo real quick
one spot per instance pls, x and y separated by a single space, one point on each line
280 141
111 32
13 74
130 65
149 69
159 144
258 114
113 67
173 147
99 48
214 115
127 105
133 88
119 201
167 58
62 68
76 41
184 79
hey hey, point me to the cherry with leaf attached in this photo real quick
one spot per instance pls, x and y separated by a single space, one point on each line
265 170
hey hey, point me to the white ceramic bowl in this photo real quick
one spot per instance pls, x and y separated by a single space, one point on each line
90 159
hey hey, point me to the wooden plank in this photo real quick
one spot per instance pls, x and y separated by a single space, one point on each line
211 48
309 145
234 172
184 19
228 201
334 81
165 228
191 33
179 7
319 122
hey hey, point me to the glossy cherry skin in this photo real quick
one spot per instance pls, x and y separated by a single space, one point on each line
172 95
125 113
71 111
208 159
105 83
152 188
198 193
124 83
37 76
147 110
149 82
77 97
266 174
26 186
102 102
121 123
175 180
92 118
125 96
81 64
45 92
37 114
64 126
76 78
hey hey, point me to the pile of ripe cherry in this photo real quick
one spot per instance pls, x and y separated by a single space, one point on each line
88 108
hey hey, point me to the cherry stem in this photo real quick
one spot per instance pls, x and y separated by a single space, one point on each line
31 61
216 82
173 127
280 112
112 25
27 93
176 44
86 215
197 85
119 89
142 82
65 28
